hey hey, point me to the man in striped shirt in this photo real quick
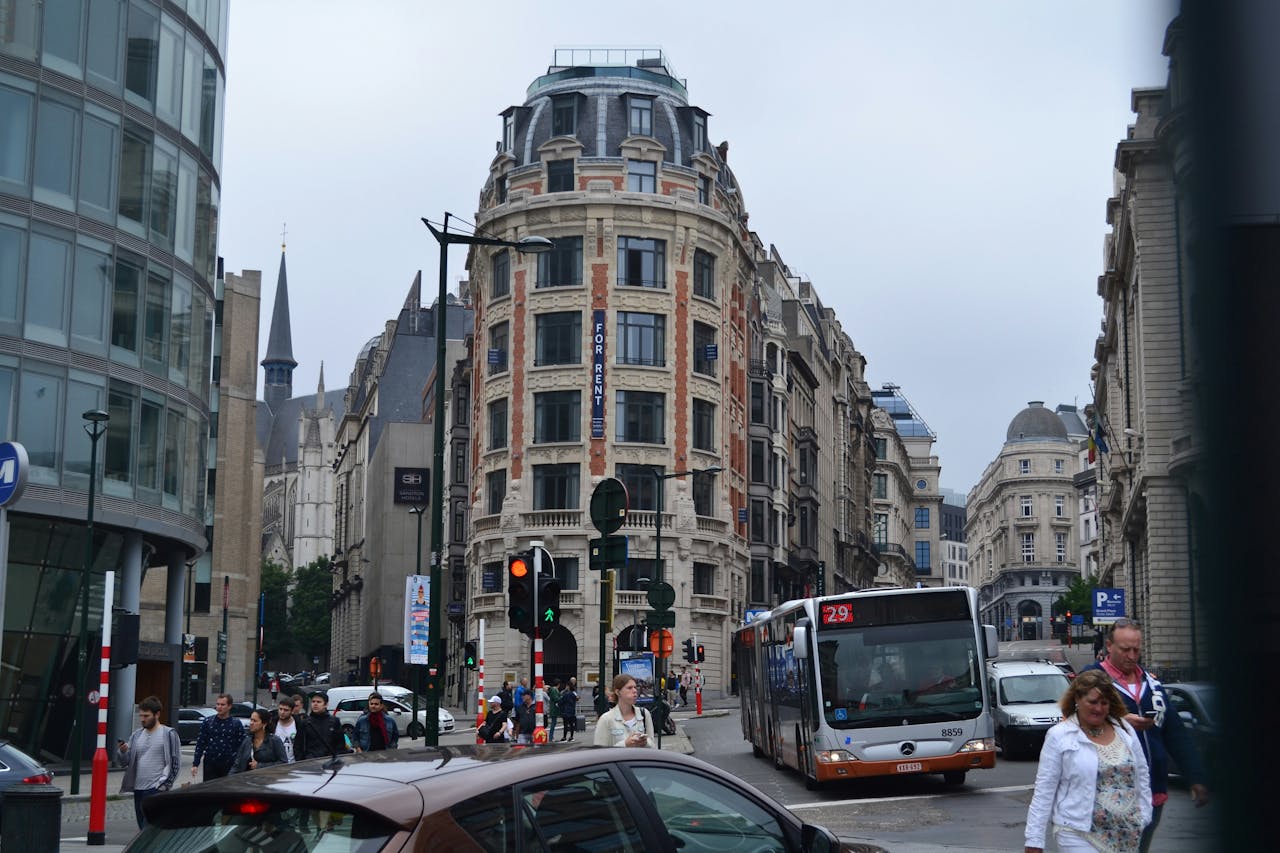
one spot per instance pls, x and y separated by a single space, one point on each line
150 757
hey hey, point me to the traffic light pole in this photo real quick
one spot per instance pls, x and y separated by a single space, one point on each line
539 733
480 702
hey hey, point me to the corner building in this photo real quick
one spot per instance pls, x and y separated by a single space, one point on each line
110 151
622 352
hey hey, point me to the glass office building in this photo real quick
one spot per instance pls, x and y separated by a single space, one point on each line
110 145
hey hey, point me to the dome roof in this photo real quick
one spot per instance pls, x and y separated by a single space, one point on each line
1036 422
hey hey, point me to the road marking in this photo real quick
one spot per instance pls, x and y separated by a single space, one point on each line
1005 790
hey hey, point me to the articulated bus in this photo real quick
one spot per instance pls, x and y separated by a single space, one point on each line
875 683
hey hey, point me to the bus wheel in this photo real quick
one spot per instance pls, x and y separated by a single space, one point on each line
757 751
953 777
811 784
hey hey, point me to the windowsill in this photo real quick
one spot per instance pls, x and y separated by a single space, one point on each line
703 375
641 365
500 297
537 287
658 443
710 300
644 285
554 364
570 442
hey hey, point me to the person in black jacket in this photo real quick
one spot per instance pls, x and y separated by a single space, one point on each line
1152 715
320 732
261 748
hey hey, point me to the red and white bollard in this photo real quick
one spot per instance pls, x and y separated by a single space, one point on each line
697 688
539 732
98 792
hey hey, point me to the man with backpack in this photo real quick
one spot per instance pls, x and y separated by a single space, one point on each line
495 727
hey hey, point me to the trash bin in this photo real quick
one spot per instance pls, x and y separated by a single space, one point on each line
32 817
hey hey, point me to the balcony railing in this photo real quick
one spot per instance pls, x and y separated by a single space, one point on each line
630 599
708 524
714 604
645 519
487 523
558 518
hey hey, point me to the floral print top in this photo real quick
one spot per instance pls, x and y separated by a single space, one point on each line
1117 815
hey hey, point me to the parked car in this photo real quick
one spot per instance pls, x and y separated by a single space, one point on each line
1057 657
18 768
189 720
1024 703
322 678
483 798
349 710
242 710
1196 702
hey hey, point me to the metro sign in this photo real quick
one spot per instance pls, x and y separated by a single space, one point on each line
13 471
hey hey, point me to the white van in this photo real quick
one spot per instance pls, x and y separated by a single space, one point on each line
348 703
1024 703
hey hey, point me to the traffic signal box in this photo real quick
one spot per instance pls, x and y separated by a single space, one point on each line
548 602
469 655
520 591
689 654
702 653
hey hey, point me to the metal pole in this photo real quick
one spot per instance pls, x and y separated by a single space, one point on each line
539 733
480 703
660 665
437 489
226 595
262 616
98 787
95 428
417 570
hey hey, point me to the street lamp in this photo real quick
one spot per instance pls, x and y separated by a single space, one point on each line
96 426
446 238
660 703
417 681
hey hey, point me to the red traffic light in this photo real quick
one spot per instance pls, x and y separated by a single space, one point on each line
518 567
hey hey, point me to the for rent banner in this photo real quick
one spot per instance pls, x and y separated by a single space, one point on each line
417 618
597 373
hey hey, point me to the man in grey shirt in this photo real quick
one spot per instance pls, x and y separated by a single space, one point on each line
150 758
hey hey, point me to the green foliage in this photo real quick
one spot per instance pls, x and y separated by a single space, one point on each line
277 638
1078 599
309 616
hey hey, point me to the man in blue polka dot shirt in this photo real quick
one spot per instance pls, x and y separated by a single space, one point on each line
218 741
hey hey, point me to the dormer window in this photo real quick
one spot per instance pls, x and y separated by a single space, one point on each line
564 115
641 113
699 132
509 131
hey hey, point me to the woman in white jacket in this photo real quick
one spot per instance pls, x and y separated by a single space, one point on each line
625 724
1093 784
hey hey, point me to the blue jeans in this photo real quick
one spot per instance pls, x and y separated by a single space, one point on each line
138 797
551 727
1151 829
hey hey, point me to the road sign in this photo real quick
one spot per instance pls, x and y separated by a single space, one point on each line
661 596
660 619
1108 605
661 643
13 471
608 505
608 552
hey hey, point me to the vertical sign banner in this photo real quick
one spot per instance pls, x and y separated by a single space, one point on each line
417 617
597 373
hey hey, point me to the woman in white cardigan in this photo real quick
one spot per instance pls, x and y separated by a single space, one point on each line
1093 785
625 724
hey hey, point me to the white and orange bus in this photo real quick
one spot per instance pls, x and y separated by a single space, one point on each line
877 683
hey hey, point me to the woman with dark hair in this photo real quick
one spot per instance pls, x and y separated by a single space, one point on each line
625 724
261 748
1093 784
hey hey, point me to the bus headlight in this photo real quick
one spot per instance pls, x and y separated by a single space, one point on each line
831 755
982 744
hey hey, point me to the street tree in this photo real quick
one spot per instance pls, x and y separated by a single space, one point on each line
309 614
275 582
1078 599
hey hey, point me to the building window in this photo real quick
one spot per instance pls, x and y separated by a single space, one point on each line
882 448
642 176
461 409
704 274
699 132
759 470
1024 466
1025 506
642 339
704 421
757 402
498 424
1028 547
757 521
557 416
555 486
497 355
559 176
704 490
641 416
757 581
562 266
638 569
491 575
806 465
642 485
922 556
559 338
564 115
880 528
642 262
1057 466
566 571
807 522
704 347
922 518
1059 506
704 578
641 114
500 188
704 190
495 489
508 131
501 274
775 526
880 486
143 60
460 465
1060 546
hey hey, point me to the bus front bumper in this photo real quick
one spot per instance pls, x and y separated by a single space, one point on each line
832 770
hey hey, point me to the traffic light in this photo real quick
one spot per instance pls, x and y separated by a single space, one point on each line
548 602
702 653
520 591
689 653
469 659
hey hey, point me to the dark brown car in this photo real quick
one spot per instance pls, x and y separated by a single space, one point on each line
479 798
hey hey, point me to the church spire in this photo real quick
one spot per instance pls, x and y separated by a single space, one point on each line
320 389
279 362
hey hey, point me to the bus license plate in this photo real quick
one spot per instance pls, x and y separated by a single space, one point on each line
909 767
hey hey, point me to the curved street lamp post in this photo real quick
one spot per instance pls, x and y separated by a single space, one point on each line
96 426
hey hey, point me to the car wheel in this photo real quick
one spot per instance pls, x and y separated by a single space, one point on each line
417 730
953 777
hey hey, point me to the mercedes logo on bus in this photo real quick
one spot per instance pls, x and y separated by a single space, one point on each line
907 748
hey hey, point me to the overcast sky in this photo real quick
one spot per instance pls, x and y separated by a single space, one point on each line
938 170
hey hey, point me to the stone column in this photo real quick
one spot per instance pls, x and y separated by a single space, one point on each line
124 682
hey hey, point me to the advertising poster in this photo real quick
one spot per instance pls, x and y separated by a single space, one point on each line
638 665
417 618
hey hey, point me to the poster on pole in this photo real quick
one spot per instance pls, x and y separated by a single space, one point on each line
417 618
638 665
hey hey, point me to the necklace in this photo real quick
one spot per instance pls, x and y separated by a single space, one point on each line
1094 732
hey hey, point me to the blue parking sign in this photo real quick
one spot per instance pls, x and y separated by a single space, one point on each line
1108 605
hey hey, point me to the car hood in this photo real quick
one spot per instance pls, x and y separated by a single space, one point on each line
1037 710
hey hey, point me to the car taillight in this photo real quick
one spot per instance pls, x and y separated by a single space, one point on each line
38 779
249 807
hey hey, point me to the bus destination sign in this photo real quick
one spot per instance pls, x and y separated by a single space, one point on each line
836 613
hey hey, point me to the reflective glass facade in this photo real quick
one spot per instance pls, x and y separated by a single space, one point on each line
110 145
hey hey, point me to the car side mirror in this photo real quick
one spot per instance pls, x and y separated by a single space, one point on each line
818 839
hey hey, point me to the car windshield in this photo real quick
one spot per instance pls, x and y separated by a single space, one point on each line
254 825
1032 689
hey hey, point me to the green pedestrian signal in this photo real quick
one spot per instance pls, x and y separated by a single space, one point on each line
469 657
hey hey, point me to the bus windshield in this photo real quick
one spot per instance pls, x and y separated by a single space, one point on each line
891 674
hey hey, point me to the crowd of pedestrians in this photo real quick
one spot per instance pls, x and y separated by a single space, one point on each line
512 714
